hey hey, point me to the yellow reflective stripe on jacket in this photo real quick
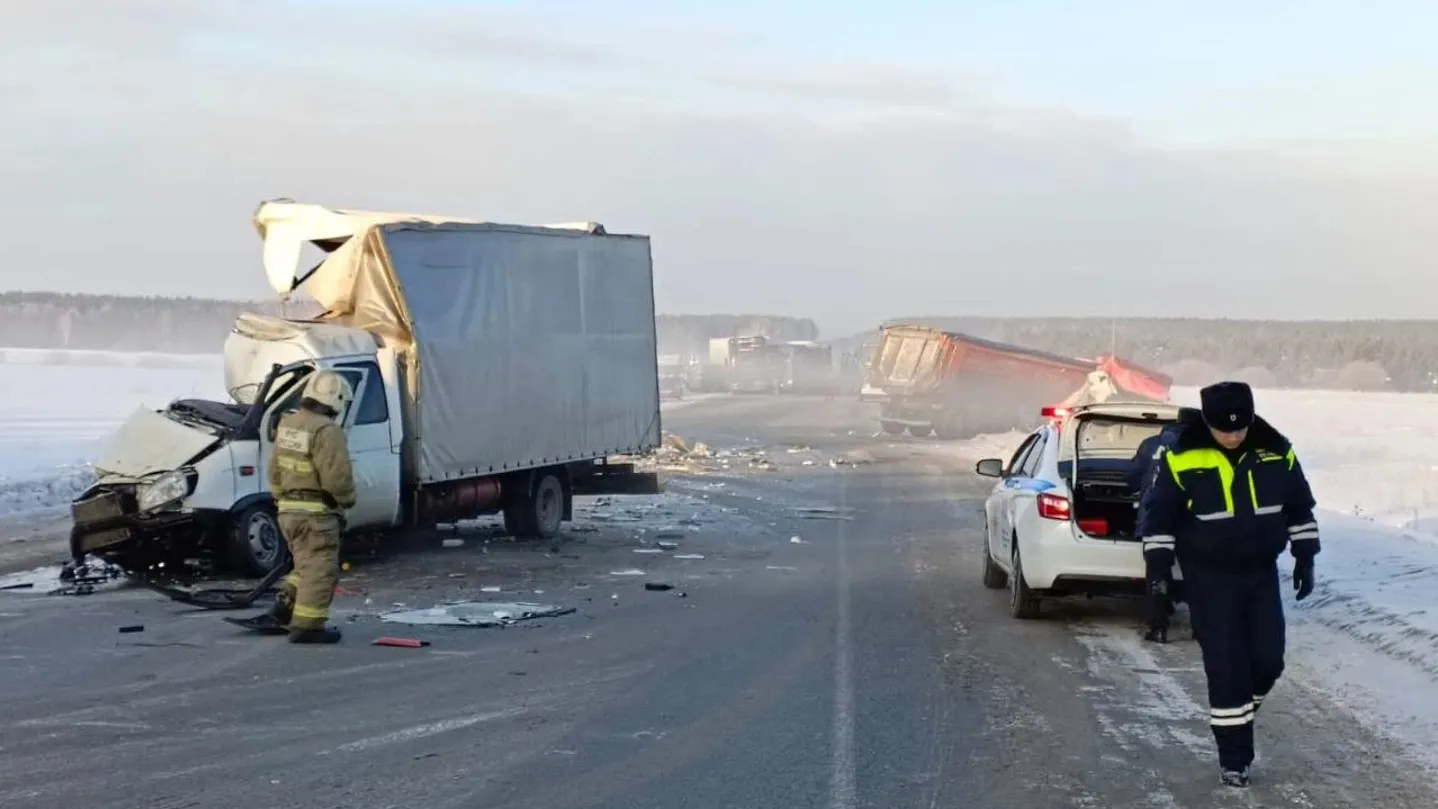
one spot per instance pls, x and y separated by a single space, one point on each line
1191 459
312 613
293 579
301 505
299 466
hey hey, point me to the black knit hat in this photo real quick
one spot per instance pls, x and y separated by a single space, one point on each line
1227 406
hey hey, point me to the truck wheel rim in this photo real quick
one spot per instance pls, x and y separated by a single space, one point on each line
548 507
264 538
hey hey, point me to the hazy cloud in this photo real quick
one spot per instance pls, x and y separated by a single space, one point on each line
860 193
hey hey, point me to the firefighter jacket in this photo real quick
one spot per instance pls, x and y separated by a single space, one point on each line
310 468
1229 509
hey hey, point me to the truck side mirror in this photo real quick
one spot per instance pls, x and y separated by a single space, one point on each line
989 468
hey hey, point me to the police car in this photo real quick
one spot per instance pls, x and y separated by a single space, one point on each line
1061 519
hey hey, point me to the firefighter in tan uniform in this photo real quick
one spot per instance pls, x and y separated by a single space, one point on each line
313 484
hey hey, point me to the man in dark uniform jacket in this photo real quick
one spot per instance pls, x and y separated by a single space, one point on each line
1226 499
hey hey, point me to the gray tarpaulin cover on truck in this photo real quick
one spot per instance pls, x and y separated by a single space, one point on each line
521 346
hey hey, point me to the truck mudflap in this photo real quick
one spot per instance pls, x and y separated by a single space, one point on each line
588 479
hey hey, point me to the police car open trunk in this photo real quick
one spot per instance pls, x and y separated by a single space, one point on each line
1099 460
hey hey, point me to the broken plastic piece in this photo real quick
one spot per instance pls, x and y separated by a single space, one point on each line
658 586
406 643
475 613
132 628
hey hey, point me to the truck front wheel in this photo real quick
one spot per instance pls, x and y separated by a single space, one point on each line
255 544
891 427
539 512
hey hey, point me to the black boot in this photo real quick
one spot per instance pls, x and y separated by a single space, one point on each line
1234 778
273 622
327 635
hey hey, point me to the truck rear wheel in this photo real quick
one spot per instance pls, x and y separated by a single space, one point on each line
891 427
538 513
921 432
254 544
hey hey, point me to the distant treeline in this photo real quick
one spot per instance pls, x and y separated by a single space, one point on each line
199 325
1356 354
1363 354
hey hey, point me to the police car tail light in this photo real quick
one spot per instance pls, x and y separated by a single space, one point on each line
1055 413
1054 507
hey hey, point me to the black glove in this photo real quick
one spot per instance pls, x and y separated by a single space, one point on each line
1303 578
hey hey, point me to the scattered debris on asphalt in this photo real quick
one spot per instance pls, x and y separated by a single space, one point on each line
825 513
630 572
403 643
24 585
688 556
81 578
657 586
475 613
126 630
796 540
667 546
453 543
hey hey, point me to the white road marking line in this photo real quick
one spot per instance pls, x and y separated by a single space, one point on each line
842 791
421 731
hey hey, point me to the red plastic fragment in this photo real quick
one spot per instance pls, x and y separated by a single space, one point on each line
407 643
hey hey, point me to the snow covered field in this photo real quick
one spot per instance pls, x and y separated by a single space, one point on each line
60 406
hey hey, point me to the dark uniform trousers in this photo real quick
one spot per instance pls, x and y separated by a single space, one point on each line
1237 616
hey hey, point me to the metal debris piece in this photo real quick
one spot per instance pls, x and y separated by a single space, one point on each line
825 513
475 613
657 586
81 578
24 585
125 630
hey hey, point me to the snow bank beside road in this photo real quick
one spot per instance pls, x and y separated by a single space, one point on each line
61 406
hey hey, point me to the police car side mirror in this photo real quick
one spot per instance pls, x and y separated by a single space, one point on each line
989 468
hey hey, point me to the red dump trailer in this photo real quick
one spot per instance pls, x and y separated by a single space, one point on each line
955 385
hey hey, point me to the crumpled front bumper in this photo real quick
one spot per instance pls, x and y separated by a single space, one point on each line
107 520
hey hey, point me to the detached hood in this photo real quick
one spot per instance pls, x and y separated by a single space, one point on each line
148 442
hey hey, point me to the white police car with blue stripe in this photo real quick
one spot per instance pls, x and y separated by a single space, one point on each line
1061 519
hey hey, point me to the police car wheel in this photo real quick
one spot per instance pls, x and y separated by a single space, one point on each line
1024 604
994 576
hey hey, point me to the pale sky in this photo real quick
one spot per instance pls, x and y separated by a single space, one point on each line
849 161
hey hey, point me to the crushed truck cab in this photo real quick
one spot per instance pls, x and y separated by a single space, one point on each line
495 369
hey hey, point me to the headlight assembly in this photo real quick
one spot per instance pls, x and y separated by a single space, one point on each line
166 490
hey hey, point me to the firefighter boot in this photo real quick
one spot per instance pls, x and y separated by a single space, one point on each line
327 635
1234 778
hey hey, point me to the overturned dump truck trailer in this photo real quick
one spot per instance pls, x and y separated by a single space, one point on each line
495 368
954 385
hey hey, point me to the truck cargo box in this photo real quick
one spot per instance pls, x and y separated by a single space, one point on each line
520 346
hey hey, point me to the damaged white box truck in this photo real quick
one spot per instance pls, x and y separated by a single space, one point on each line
496 369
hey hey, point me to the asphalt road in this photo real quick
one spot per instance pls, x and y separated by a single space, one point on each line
852 660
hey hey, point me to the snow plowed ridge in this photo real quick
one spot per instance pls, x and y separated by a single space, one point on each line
42 495
61 406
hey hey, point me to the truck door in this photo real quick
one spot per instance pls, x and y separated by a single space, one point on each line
376 465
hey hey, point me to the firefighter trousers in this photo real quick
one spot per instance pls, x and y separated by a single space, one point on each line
314 542
1237 617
